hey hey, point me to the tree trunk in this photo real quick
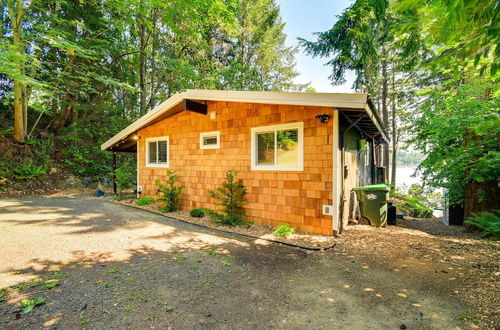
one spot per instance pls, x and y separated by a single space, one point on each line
20 116
481 196
153 63
394 130
142 61
385 116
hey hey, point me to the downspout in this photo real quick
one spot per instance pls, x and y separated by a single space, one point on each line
138 190
335 173
374 161
114 172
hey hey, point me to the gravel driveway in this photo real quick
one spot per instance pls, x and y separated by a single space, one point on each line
117 267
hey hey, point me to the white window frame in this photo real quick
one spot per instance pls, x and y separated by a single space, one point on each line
156 139
210 134
299 126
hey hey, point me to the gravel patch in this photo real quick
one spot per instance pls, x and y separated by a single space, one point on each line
302 240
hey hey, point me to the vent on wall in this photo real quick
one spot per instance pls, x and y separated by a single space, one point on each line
328 209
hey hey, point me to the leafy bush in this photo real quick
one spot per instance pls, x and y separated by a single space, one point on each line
231 197
197 213
413 207
144 200
28 172
170 193
124 178
418 202
489 222
284 230
29 304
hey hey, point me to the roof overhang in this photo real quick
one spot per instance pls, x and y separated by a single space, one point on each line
193 100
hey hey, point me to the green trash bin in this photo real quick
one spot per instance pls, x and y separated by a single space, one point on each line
373 203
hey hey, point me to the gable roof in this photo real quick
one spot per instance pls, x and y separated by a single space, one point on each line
346 101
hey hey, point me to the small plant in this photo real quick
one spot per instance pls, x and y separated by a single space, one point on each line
28 172
112 270
144 200
212 252
231 197
3 293
50 285
123 180
488 222
284 230
225 261
28 305
469 316
197 213
171 192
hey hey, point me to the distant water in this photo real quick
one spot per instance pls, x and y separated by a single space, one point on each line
405 178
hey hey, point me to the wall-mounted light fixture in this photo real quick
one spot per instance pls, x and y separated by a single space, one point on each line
323 118
136 137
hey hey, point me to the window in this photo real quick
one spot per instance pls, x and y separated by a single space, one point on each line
157 152
278 147
210 140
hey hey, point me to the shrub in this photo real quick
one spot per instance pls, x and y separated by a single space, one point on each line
144 200
170 193
284 230
197 213
28 305
489 222
414 207
418 202
231 197
124 179
28 172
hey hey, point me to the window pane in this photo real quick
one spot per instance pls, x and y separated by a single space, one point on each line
152 152
265 148
162 152
209 140
288 147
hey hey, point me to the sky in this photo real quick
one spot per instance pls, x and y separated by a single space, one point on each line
303 18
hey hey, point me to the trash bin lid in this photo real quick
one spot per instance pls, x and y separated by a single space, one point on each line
380 186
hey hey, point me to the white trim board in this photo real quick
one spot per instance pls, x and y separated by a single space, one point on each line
210 134
156 139
273 128
335 100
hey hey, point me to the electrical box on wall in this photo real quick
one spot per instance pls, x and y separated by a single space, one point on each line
213 115
328 209
139 189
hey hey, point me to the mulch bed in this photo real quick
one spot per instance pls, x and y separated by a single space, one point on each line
301 240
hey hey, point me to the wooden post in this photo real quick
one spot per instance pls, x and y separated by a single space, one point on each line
114 172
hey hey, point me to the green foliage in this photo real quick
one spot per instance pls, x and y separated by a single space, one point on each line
124 179
197 213
28 171
489 222
231 197
459 129
3 294
171 192
284 230
417 202
212 252
226 261
84 77
144 200
28 305
469 316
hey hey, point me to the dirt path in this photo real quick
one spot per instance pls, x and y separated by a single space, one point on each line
116 267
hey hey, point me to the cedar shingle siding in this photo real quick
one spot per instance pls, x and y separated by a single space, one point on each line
274 197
